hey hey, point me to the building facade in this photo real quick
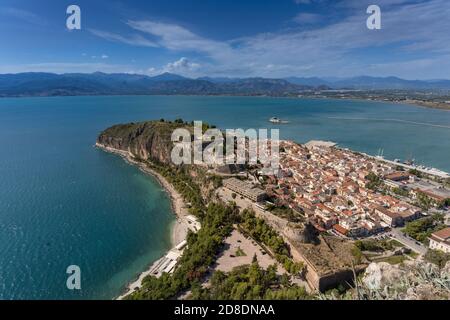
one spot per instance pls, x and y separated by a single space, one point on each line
245 189
440 240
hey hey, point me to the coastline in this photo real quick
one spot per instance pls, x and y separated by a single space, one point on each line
413 103
179 228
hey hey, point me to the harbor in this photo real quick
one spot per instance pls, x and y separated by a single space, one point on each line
429 171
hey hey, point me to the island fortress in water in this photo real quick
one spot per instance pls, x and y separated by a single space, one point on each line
307 219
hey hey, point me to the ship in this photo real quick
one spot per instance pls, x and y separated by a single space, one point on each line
277 120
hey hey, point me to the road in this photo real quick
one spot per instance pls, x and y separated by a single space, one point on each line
397 234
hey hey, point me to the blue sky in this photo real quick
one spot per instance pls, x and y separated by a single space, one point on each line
245 38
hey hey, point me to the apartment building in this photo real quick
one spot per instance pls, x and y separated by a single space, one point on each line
245 189
440 240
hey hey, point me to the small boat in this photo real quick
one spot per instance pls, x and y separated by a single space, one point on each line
277 120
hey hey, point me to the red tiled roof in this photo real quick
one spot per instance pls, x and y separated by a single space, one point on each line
397 176
348 213
442 234
340 229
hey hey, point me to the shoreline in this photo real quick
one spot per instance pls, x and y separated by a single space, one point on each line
178 229
409 103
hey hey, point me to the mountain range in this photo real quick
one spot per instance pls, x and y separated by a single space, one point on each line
50 84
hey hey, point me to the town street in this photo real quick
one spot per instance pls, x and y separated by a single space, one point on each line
397 234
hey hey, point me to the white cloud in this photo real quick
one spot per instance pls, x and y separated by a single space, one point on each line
104 56
135 40
307 18
182 66
416 35
175 37
23 15
321 50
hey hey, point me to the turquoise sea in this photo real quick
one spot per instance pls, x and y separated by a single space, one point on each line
63 202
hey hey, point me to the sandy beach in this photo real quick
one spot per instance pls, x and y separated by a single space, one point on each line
180 227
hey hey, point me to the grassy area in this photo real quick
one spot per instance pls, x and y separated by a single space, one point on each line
396 243
412 254
393 259
373 245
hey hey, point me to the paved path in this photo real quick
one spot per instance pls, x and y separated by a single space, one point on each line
398 235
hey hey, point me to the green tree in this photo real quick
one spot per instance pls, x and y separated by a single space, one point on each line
423 228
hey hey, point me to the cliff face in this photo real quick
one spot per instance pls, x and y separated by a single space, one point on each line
149 140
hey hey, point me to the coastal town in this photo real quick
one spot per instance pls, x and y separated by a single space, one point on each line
346 195
333 187
326 215
344 192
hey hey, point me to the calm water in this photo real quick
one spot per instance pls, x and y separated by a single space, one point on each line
63 202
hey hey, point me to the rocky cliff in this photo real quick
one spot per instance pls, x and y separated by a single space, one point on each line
150 140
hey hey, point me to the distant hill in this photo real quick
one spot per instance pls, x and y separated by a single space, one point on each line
168 77
372 83
48 84
311 81
98 83
219 79
365 82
